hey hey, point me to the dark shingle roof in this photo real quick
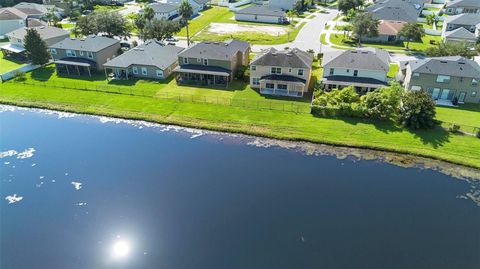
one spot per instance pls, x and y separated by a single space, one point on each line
463 3
162 7
45 32
294 58
90 43
10 13
224 51
262 10
450 66
397 10
366 59
151 53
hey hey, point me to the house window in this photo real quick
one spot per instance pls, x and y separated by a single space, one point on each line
144 71
300 72
289 70
474 82
416 88
355 73
159 73
276 70
474 93
269 86
185 60
255 81
205 61
282 86
53 51
199 60
71 53
443 79
135 70
331 71
19 40
81 53
416 75
348 70
253 67
89 55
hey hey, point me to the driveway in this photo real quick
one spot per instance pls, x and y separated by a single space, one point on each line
130 7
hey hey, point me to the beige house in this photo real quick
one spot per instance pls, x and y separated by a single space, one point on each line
285 73
49 34
444 78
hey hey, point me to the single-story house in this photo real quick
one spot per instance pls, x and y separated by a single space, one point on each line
49 34
84 55
197 5
462 6
285 73
152 59
459 35
283 4
365 68
387 32
397 10
164 11
261 14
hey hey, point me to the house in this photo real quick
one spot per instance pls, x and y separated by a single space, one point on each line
397 10
365 68
261 14
285 73
467 20
152 59
50 35
82 56
387 32
66 5
197 5
34 10
212 63
11 19
164 11
444 78
459 35
462 6
283 4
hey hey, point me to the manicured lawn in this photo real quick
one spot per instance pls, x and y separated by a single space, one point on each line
323 39
277 124
466 114
393 70
7 64
253 37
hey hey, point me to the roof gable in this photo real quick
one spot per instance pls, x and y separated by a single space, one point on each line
365 59
224 51
293 58
91 43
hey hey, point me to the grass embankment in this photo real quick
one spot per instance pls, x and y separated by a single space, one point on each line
8 64
438 143
466 114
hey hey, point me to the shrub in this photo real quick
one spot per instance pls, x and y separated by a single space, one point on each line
454 128
477 133
417 110
19 75
455 101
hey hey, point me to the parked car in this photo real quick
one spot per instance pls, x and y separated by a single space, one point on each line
125 44
171 39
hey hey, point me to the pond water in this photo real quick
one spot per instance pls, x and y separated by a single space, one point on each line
89 192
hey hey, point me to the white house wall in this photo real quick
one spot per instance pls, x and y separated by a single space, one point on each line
7 26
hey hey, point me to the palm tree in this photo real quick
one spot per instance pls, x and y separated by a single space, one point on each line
185 10
148 13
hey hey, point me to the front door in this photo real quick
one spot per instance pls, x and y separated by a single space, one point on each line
461 97
435 93
445 94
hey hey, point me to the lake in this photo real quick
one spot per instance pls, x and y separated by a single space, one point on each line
91 192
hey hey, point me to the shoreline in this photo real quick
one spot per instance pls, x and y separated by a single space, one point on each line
405 160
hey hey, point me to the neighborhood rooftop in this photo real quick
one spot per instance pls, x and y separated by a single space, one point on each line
397 10
151 53
163 7
460 33
388 27
10 13
463 19
293 58
45 32
452 66
463 3
90 43
216 50
366 59
261 10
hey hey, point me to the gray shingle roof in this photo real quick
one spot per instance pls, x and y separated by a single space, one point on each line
450 66
460 33
162 7
45 32
151 53
90 43
201 2
463 3
294 58
463 19
10 13
223 51
366 59
262 10
397 10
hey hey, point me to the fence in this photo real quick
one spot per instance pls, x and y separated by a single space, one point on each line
285 106
461 128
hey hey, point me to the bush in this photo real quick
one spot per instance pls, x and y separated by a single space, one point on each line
455 101
19 75
454 128
477 133
417 110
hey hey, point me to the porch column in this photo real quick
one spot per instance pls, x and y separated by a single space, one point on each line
214 78
68 71
89 73
106 75
126 72
78 71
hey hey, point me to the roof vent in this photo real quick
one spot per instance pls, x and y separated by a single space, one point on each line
274 53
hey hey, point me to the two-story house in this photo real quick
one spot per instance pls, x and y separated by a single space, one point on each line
444 78
164 11
50 35
366 69
35 10
83 56
212 63
152 59
11 19
284 73
461 28
462 6
397 10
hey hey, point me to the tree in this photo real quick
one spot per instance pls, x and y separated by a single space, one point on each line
87 25
109 23
451 49
35 47
431 19
417 110
383 103
161 29
345 5
186 11
140 22
51 16
364 25
411 32
148 13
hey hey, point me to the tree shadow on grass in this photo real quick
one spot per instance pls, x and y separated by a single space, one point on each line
435 137
385 126
43 73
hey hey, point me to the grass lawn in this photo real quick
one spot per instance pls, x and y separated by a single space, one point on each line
466 114
252 37
323 38
339 39
7 64
393 70
436 143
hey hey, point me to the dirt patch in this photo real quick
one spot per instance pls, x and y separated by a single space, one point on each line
230 28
